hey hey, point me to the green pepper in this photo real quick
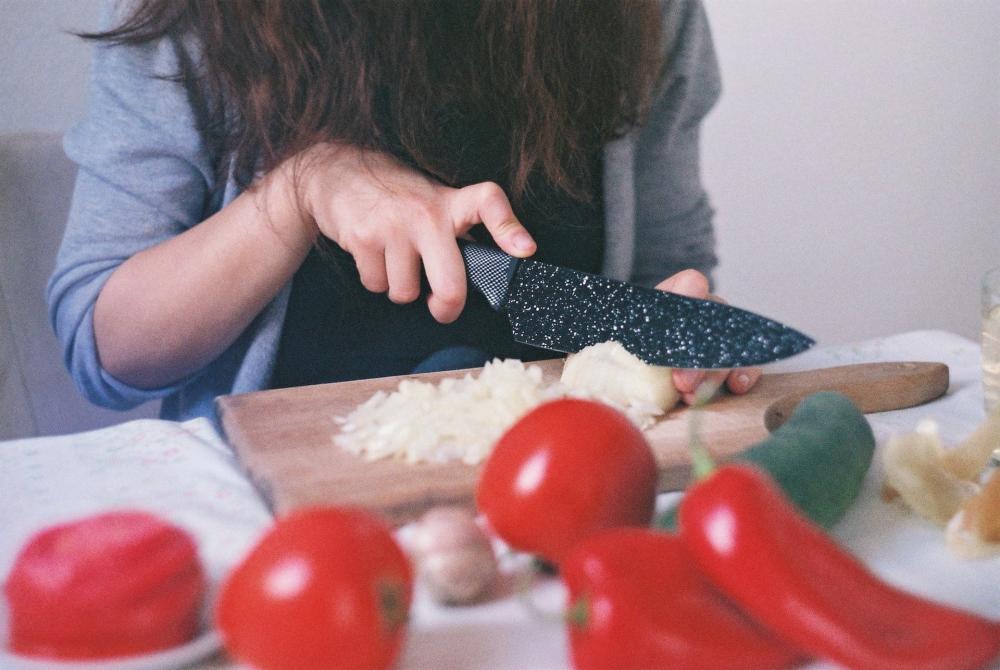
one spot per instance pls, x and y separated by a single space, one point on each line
819 458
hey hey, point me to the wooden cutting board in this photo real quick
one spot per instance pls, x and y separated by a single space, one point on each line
284 437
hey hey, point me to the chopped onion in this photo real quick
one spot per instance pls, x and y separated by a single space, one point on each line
609 373
462 418
457 419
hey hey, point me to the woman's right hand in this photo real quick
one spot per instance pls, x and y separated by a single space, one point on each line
392 219
171 309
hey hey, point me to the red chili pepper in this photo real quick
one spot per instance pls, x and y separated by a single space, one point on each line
637 601
749 540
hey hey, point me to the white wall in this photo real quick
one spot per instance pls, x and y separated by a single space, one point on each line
854 159
43 70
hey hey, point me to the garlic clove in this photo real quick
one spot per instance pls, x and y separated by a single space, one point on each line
453 555
459 577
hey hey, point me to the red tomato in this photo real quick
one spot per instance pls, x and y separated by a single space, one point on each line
566 470
114 584
325 588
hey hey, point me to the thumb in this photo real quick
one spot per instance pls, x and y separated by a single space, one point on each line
690 283
486 203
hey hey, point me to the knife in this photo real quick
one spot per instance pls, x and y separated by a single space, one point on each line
565 310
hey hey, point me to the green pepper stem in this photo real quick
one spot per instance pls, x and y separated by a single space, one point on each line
701 460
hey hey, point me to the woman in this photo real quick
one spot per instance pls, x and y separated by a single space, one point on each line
267 188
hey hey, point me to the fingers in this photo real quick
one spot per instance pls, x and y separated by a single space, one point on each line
695 285
486 203
709 384
402 267
688 380
445 271
371 270
742 380
737 381
446 275
421 229
691 283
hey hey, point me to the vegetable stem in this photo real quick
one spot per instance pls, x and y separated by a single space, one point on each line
701 460
525 586
579 612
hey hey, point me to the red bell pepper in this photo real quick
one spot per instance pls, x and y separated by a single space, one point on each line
779 567
114 584
636 601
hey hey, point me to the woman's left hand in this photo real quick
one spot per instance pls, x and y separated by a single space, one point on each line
695 285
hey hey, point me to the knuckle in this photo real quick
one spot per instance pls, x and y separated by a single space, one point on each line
374 284
362 237
492 197
403 295
425 219
426 212
451 296
444 313
507 227
423 210
491 191
717 298
694 283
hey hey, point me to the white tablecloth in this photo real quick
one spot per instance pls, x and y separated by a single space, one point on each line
186 473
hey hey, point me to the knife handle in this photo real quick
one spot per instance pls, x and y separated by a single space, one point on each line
490 271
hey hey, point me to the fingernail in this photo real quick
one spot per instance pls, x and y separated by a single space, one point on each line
742 382
690 379
523 242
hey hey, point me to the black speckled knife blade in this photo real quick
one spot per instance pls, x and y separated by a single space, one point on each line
565 310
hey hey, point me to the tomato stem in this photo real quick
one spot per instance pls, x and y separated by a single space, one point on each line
392 601
578 613
525 583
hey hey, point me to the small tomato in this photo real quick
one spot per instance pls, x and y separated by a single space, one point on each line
566 470
325 588
119 583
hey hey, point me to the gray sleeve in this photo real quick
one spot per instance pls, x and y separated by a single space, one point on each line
673 214
144 176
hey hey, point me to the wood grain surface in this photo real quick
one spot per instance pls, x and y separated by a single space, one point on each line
284 437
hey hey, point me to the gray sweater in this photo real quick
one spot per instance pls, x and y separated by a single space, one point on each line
146 174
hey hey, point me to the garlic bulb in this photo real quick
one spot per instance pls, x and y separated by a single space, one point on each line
454 557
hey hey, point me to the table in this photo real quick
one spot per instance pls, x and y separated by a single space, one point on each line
185 472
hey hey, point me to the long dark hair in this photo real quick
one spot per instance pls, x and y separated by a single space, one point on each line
559 77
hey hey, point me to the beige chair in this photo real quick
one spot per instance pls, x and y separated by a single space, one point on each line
37 396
